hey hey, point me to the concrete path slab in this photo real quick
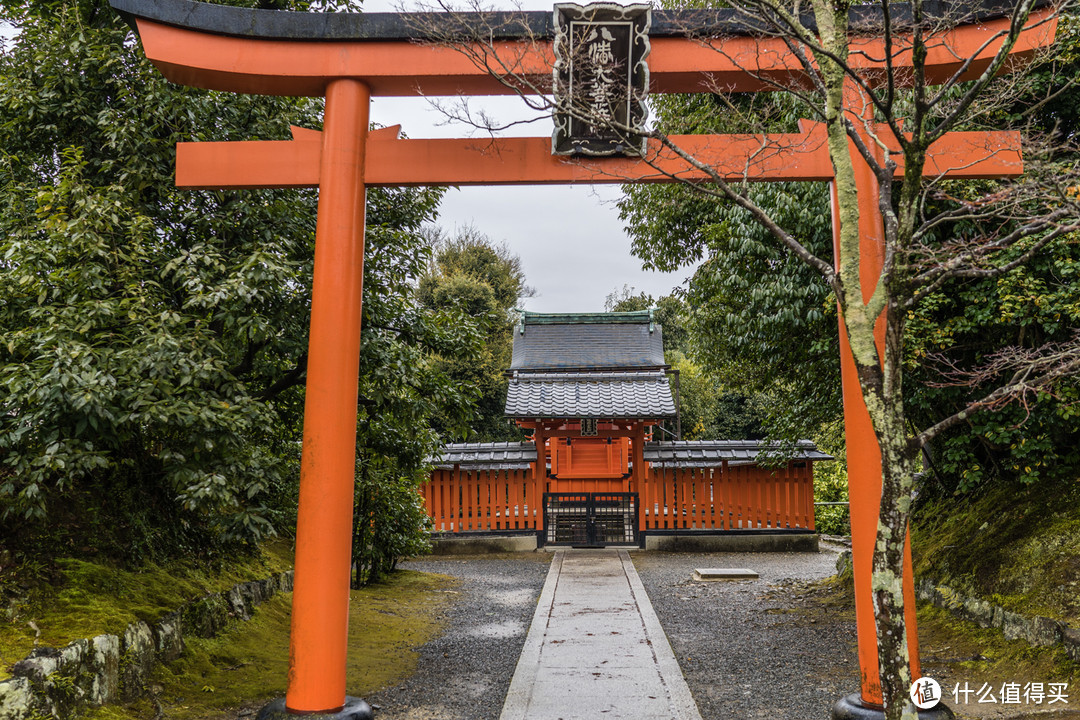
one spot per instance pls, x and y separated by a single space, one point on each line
595 648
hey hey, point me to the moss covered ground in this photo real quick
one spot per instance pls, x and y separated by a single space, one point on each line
1015 545
72 599
960 654
247 665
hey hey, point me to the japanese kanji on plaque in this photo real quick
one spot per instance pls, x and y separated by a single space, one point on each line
601 78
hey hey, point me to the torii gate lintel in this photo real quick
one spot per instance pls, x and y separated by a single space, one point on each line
394 162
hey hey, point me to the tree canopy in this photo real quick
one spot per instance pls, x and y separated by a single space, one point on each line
486 283
154 340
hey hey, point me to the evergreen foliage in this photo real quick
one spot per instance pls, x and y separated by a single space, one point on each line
486 283
154 340
765 324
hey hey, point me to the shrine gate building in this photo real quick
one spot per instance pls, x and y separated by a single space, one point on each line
593 389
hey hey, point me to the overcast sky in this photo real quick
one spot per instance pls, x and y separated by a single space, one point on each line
570 239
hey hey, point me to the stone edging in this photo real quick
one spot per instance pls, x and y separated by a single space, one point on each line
109 668
1035 629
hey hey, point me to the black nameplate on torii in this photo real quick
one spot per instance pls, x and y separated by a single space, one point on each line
600 78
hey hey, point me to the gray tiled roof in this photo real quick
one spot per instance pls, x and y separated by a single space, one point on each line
711 453
482 456
590 395
580 342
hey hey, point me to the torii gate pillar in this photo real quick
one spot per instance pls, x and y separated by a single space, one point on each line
864 453
320 616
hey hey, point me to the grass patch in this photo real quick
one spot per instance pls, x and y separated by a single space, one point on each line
247 664
81 599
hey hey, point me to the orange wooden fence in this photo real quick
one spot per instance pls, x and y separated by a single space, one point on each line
738 498
483 500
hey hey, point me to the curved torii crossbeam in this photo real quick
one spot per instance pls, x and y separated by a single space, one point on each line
347 58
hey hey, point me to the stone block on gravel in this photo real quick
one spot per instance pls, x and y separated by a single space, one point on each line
717 574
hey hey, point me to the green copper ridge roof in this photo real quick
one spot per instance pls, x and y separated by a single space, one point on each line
638 317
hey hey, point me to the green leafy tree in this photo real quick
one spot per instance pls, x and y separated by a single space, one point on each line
707 411
153 341
405 392
748 299
147 332
485 282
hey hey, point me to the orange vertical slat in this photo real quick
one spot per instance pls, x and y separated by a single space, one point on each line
722 495
749 495
716 520
642 483
511 499
704 490
695 499
490 500
469 514
644 493
452 500
504 495
535 498
463 500
432 498
737 476
744 497
731 497
521 521
726 496
769 487
480 500
773 501
754 500
791 497
684 496
795 493
504 486
700 502
678 495
464 497
486 501
671 497
687 490
442 494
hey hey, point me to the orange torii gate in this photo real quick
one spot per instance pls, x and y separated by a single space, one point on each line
348 58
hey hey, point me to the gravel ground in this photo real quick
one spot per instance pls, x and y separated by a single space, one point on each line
747 649
465 673
756 648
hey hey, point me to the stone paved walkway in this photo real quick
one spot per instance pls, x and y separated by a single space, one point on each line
596 649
